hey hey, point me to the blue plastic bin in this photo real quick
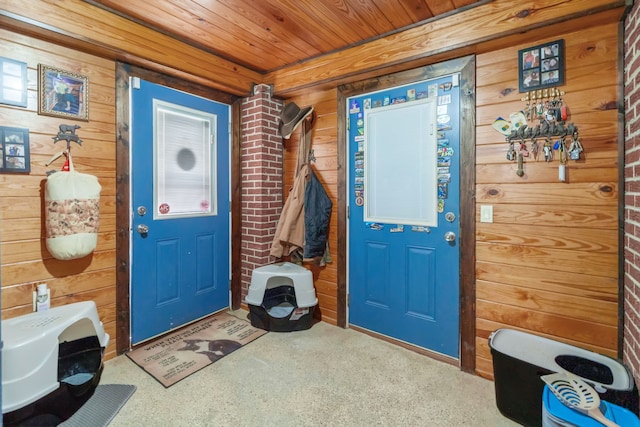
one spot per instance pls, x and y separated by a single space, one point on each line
557 414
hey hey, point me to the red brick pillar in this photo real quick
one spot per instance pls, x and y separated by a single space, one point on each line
631 346
262 180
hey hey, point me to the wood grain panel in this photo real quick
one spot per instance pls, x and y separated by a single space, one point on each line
122 38
604 265
604 217
548 264
486 327
573 306
21 294
464 29
541 171
587 194
25 260
22 251
552 324
532 276
589 240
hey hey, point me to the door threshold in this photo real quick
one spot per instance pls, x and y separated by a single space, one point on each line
177 328
420 350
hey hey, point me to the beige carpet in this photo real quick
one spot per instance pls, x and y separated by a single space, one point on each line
324 376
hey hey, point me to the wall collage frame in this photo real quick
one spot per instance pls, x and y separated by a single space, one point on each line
60 94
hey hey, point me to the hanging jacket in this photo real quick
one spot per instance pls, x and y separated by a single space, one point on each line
317 213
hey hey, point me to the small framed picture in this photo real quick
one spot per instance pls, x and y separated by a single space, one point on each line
541 66
14 150
13 82
62 93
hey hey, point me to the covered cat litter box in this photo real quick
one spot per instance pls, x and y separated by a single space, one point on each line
51 363
520 359
281 297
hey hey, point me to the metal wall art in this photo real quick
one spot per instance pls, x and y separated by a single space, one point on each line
62 93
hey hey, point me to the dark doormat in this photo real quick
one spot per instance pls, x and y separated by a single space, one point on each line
100 409
176 356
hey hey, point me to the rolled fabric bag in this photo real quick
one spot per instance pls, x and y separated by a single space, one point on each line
72 213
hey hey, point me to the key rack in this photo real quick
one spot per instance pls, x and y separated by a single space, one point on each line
547 109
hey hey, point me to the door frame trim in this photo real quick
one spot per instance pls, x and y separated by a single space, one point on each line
123 176
466 67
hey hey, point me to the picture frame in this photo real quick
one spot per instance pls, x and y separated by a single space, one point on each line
62 93
541 66
13 82
14 150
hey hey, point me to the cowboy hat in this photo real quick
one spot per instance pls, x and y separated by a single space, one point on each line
291 117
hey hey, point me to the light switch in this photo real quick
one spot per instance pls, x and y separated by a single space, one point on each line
486 213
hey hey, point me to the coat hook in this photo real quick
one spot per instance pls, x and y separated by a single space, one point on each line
68 133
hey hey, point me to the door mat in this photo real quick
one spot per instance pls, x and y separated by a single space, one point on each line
100 409
176 356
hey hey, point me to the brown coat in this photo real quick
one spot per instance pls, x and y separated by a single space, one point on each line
289 235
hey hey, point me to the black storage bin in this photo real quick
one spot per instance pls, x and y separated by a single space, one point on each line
520 359
279 311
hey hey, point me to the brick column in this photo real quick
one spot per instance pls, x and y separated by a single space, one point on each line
262 179
631 346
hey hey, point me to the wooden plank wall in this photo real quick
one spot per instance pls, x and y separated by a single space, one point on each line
548 264
25 260
324 142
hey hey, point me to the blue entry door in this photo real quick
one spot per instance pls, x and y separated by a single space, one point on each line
180 209
404 256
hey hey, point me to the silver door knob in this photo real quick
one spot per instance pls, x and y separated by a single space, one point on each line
143 229
450 236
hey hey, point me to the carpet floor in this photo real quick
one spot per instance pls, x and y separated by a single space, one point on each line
323 376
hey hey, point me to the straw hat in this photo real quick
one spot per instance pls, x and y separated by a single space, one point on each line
291 117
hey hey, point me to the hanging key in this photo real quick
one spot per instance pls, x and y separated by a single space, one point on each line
575 149
511 153
548 152
535 149
523 149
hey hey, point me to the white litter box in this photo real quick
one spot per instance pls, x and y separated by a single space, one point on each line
51 363
281 297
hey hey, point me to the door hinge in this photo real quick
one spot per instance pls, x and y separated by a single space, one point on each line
229 284
348 300
348 212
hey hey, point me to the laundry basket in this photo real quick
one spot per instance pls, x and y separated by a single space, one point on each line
520 359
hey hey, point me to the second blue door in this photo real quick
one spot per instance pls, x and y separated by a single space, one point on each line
404 256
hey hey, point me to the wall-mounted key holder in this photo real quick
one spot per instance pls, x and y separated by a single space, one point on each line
541 128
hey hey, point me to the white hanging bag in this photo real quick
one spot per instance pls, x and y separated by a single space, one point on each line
72 213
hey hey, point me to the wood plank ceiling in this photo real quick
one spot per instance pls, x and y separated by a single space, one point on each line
266 35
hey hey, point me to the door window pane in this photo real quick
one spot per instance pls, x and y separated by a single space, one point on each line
400 164
184 161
